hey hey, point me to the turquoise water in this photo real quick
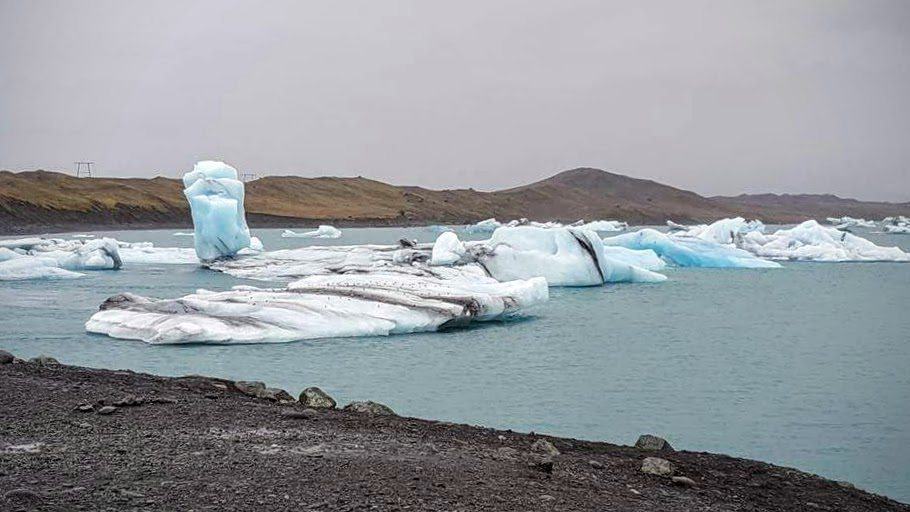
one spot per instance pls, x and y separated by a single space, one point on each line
804 366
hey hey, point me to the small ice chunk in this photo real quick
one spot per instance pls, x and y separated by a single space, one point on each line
605 225
447 249
323 231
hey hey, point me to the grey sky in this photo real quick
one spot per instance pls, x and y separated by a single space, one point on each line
719 97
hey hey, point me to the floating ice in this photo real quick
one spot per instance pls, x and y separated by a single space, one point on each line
723 231
811 241
447 250
686 251
37 258
180 233
147 253
316 307
899 225
484 226
216 200
847 222
605 225
324 231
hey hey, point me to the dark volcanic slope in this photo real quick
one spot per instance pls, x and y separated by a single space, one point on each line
46 201
199 444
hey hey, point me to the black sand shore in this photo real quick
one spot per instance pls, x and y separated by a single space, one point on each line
76 438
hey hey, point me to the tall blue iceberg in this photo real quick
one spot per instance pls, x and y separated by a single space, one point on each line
216 200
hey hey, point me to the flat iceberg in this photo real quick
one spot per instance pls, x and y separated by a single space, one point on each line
687 251
810 241
216 201
484 226
32 267
36 258
316 307
847 222
899 225
723 231
324 231
605 225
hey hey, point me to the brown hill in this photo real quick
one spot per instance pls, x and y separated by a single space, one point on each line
40 201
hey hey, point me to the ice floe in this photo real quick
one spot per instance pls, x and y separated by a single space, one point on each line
37 258
216 201
899 225
689 251
847 222
723 231
324 231
605 225
810 241
316 307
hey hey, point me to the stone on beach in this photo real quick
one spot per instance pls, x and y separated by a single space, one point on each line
6 357
316 398
657 466
653 443
371 408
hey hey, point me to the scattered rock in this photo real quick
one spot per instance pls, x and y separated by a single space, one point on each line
6 357
298 414
846 485
85 408
162 400
129 401
543 464
547 497
44 360
369 407
595 464
317 399
653 443
683 481
257 389
107 409
657 466
506 453
545 447
21 495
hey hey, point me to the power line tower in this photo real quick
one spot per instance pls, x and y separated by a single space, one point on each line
83 169
247 176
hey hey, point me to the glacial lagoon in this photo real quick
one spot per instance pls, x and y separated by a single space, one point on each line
802 366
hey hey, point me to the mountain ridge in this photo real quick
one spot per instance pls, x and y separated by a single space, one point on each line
46 201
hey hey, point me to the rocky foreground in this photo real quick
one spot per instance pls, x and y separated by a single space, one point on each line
84 439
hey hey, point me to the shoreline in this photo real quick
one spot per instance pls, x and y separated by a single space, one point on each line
73 437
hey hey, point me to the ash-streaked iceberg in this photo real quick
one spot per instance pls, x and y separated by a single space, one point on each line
216 201
723 231
810 241
688 251
316 307
323 231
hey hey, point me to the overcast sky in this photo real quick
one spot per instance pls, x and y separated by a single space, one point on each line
718 97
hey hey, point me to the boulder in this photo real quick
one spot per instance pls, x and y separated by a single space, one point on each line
683 481
250 388
653 443
276 395
316 398
44 360
657 466
6 357
545 447
371 408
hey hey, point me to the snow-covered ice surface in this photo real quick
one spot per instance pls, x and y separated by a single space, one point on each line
316 307
323 231
605 225
689 251
39 258
484 226
216 201
810 241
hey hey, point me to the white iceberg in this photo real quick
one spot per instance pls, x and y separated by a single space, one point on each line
316 307
605 225
899 225
447 249
810 241
686 251
324 231
484 226
564 256
181 233
38 258
216 201
847 222
723 231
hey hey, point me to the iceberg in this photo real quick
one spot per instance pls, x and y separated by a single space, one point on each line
847 222
38 258
723 231
324 231
181 233
216 201
563 256
605 225
484 226
899 225
316 307
810 241
447 249
686 251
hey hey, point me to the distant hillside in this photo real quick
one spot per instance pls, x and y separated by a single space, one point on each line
40 201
